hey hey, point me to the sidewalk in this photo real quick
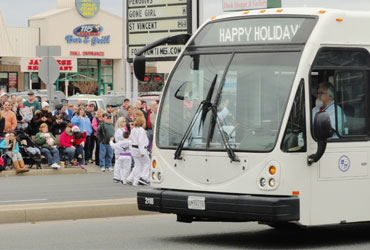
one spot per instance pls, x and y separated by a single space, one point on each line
70 210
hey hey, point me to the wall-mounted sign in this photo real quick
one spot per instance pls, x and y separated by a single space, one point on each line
86 53
237 5
88 8
65 64
88 34
88 30
150 20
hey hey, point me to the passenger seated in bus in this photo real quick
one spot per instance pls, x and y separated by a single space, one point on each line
325 102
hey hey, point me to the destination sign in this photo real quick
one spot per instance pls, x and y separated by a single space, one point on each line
157 12
158 25
140 3
255 31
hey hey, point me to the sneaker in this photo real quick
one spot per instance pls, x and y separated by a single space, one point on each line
82 166
76 163
116 181
143 182
90 161
135 184
79 156
55 166
129 182
110 169
102 169
124 182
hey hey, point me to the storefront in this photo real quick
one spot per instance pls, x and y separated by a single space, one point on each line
91 44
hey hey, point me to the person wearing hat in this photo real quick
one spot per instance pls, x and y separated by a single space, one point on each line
42 116
10 118
31 102
104 134
23 114
60 120
4 97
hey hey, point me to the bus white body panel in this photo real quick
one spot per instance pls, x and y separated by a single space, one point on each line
333 190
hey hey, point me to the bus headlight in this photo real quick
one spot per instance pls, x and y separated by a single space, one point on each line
272 182
154 176
159 176
263 182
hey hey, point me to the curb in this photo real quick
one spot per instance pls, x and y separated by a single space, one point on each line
47 171
69 210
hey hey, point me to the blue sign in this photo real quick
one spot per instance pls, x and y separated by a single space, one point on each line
344 163
88 30
88 8
88 34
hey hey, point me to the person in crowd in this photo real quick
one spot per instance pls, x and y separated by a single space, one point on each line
11 147
60 120
38 98
13 99
109 110
139 139
91 114
104 133
42 116
79 140
31 102
97 120
4 98
66 141
2 126
126 103
122 152
120 127
84 124
123 111
152 113
71 110
130 118
47 142
10 118
23 114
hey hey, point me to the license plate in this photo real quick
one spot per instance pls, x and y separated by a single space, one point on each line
196 202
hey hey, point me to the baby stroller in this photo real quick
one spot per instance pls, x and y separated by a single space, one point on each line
31 152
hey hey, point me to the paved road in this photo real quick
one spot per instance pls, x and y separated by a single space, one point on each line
162 232
57 188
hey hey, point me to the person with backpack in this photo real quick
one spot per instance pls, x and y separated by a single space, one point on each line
97 120
104 133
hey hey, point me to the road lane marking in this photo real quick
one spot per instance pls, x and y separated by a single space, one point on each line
10 201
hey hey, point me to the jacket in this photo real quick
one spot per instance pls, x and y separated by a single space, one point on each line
78 138
37 119
3 145
41 141
105 132
83 124
10 120
59 128
65 140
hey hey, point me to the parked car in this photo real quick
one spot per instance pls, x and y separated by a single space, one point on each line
58 96
85 99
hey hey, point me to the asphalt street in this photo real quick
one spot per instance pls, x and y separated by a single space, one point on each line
60 188
163 232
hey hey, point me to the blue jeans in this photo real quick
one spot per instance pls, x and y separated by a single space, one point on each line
80 151
105 155
70 153
51 154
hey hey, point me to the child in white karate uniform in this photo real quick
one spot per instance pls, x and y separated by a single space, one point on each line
122 151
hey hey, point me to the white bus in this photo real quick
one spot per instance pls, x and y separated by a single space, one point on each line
266 117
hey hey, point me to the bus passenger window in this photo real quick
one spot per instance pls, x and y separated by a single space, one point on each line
342 75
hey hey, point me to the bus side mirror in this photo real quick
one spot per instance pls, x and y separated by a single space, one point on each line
139 67
322 131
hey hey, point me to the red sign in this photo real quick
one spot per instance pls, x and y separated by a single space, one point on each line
64 65
86 53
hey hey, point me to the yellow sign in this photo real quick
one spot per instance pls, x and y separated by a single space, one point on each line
88 8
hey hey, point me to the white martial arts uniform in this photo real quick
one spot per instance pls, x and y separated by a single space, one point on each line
122 166
140 143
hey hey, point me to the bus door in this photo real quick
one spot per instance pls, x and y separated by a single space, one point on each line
339 85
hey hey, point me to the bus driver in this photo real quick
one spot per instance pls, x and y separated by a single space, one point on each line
325 102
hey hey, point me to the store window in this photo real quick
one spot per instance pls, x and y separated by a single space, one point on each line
9 81
106 74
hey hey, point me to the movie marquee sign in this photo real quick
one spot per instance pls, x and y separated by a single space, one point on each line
150 20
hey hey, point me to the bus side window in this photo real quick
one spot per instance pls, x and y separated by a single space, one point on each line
347 70
295 133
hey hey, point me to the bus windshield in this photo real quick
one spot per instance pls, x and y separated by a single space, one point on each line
256 87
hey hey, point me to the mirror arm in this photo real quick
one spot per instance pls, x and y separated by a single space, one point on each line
321 146
170 40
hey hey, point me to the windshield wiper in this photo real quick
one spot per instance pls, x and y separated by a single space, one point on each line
203 107
216 121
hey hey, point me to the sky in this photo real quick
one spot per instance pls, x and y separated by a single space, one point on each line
16 12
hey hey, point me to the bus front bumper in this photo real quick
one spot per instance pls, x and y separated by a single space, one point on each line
198 206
